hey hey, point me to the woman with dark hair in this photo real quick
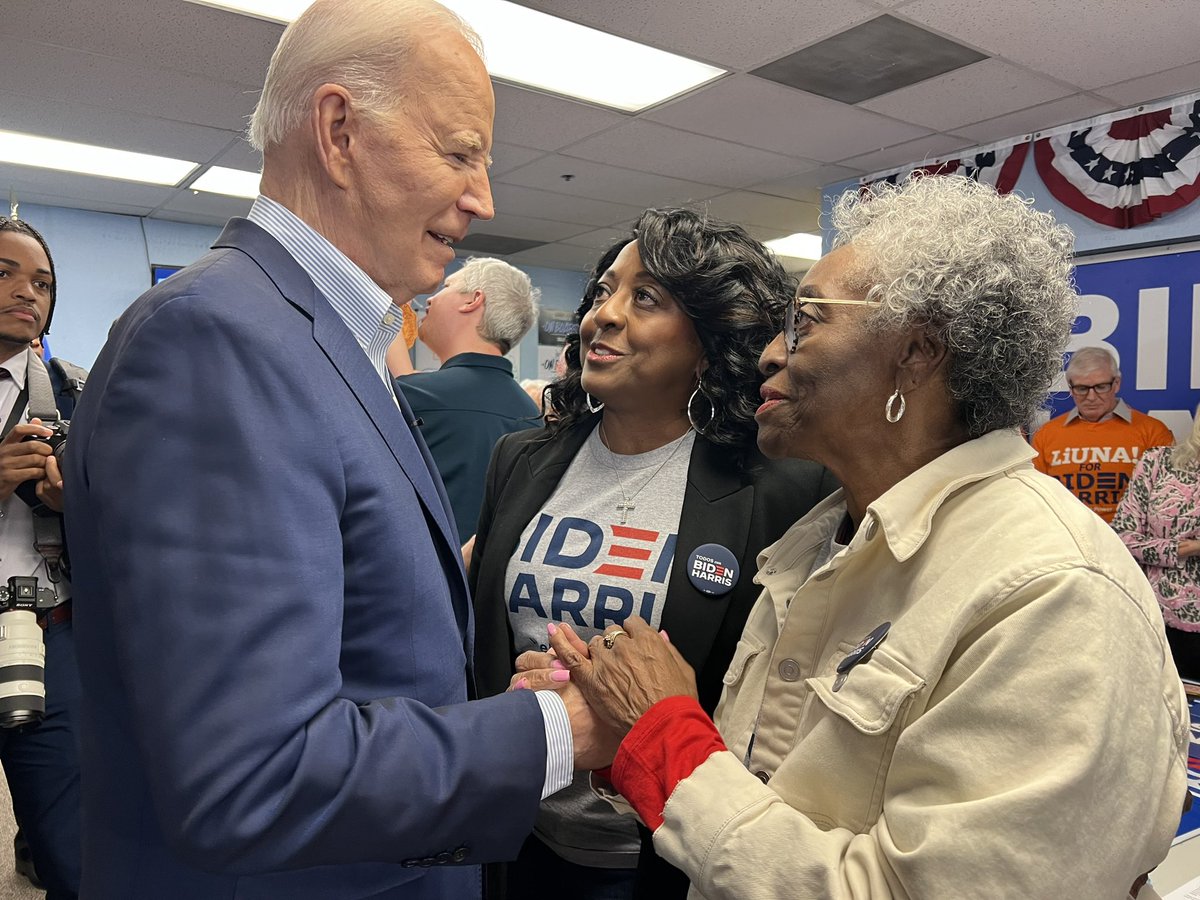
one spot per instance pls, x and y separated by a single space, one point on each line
644 494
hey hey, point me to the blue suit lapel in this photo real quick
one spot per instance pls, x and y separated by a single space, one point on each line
340 347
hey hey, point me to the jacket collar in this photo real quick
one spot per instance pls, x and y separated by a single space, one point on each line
351 363
905 512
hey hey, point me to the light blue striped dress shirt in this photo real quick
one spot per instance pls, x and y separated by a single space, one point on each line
374 319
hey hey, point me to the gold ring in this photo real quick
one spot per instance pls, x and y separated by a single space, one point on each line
611 637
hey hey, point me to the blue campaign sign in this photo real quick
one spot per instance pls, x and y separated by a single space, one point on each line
1145 309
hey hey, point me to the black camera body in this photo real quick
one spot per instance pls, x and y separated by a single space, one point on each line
57 440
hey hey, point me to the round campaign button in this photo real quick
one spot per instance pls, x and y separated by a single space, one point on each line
713 569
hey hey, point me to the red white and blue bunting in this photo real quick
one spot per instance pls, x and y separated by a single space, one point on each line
1128 171
998 166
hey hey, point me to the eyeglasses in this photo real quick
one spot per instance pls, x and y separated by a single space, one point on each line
1081 390
792 315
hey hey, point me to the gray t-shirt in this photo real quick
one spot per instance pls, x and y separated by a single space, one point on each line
577 563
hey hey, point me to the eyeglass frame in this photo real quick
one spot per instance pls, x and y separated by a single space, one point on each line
1083 390
791 315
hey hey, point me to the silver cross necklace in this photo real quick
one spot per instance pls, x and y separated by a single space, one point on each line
626 505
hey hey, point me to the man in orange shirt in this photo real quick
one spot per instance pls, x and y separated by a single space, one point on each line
1093 448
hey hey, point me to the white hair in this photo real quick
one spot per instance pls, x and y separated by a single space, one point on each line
1187 451
511 302
1086 358
985 272
360 44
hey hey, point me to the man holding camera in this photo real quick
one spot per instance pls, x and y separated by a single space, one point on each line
40 760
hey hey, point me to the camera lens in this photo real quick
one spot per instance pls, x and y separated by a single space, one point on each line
22 669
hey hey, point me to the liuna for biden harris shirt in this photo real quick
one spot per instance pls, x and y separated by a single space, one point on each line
599 551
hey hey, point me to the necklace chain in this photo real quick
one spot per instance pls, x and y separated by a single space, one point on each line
626 505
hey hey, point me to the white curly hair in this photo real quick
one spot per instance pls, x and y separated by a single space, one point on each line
990 276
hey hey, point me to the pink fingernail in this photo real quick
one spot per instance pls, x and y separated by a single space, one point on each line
556 664
522 684
665 636
560 675
552 628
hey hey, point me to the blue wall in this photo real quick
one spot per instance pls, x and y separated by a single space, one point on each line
103 264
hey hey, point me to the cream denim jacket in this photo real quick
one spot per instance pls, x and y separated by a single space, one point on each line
1020 733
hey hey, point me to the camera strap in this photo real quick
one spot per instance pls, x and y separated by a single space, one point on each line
47 524
42 404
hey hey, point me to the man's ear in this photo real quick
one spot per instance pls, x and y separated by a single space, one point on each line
921 355
336 136
472 301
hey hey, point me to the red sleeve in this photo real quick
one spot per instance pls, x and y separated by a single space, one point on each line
664 747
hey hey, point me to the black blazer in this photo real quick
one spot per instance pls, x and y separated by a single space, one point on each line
744 508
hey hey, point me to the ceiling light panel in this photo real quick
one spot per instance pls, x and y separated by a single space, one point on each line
230 182
571 60
797 246
88 159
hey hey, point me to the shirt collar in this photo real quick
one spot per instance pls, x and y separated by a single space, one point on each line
370 314
484 360
17 367
1121 410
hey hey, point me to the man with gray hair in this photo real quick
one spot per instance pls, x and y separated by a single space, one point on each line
1093 448
274 633
479 315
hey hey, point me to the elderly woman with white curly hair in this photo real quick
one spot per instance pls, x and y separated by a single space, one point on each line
955 682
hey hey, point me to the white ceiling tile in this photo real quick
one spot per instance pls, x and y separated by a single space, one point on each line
24 180
529 229
600 239
557 256
62 74
751 209
521 201
600 182
1180 80
923 150
530 119
506 157
204 208
731 35
178 36
680 154
108 127
1087 43
1026 121
981 91
240 155
807 185
749 110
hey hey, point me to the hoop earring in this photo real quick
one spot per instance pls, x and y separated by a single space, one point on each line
712 409
891 414
587 399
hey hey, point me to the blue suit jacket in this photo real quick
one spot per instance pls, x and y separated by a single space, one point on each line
272 621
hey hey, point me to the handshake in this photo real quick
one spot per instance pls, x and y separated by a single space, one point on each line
608 684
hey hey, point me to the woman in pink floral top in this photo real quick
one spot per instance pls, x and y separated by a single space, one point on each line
1159 521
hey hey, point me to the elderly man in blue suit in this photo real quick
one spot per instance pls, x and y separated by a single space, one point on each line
273 626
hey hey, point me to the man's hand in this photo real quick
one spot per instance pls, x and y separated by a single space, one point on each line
622 682
22 461
50 488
